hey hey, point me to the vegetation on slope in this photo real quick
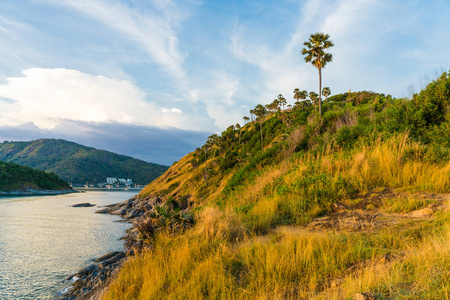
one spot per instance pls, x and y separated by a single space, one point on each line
327 209
17 178
76 163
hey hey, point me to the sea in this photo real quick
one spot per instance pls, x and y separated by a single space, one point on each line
43 240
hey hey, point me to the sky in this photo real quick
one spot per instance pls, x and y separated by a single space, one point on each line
153 79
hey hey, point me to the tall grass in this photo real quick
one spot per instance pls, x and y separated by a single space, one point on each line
239 249
208 263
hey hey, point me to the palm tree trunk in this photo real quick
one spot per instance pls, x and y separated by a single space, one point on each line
320 93
260 130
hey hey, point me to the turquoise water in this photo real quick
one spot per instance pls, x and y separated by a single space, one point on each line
43 240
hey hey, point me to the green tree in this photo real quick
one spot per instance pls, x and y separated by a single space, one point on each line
281 100
315 54
260 112
252 112
314 98
238 127
246 119
326 92
297 96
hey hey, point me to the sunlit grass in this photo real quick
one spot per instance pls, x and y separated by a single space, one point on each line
250 243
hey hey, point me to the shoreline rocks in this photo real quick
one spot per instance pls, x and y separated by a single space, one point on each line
92 281
86 204
89 283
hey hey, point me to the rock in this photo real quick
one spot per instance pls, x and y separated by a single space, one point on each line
102 211
83 205
364 296
107 256
89 282
111 260
338 207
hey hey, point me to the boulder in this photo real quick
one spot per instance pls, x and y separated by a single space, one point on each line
83 205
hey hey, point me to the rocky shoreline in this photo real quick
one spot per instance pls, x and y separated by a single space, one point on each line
92 281
33 192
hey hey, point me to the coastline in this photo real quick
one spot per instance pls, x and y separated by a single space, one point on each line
92 281
32 192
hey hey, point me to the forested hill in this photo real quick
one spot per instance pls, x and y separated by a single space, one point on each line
18 178
77 163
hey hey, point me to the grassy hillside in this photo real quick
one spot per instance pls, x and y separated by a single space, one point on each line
77 163
17 178
355 202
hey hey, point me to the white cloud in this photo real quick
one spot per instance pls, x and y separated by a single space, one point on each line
44 96
154 32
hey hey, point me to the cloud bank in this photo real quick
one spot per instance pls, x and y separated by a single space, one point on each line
44 96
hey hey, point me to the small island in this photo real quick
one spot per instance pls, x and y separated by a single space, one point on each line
18 180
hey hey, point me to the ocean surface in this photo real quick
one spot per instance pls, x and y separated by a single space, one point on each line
43 240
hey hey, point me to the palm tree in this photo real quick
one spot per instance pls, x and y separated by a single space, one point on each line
252 112
314 97
326 92
281 100
297 96
316 55
238 127
261 112
246 119
303 94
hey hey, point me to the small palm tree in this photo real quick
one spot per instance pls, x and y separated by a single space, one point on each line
246 119
252 112
316 55
282 100
326 92
314 98
260 112
297 96
238 127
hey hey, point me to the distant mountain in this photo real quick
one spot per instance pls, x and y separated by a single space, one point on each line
77 163
18 178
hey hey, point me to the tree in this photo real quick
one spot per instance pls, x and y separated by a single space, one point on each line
252 112
238 127
260 112
326 92
314 98
281 100
316 55
297 96
211 141
246 119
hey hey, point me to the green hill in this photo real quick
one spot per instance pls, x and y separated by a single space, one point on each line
354 202
76 163
17 178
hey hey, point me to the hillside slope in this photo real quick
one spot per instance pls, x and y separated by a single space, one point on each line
355 204
76 163
18 178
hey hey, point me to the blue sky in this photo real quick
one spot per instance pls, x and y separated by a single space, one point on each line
152 79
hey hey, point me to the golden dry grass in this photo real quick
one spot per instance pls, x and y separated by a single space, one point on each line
224 256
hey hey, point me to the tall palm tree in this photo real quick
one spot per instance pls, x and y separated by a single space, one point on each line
316 55
260 112
246 119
